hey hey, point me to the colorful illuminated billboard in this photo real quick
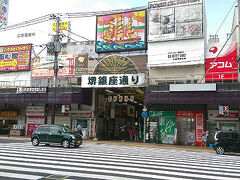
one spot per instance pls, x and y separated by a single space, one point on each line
121 32
172 20
15 57
221 62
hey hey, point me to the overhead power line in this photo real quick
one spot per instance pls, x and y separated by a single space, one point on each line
66 16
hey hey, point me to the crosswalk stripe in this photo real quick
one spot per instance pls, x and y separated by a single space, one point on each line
71 173
115 162
142 161
140 164
117 170
14 175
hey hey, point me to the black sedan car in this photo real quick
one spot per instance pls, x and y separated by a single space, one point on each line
227 142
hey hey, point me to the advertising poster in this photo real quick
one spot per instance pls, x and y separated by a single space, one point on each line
166 125
221 62
42 67
15 57
31 128
81 65
123 31
171 21
167 130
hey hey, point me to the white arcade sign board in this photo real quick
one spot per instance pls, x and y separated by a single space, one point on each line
113 80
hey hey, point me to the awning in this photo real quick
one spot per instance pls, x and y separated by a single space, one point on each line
156 97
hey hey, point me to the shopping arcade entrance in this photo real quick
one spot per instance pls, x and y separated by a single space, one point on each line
119 94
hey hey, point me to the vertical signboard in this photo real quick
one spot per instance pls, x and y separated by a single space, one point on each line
221 62
171 20
15 57
121 32
4 6
35 117
199 128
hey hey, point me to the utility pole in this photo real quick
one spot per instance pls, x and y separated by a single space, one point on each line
54 48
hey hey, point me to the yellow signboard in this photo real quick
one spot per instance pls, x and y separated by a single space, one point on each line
62 26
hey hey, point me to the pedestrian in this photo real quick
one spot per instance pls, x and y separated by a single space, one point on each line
135 134
131 134
216 134
154 135
122 132
79 127
205 138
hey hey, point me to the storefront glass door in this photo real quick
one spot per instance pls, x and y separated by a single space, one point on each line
224 126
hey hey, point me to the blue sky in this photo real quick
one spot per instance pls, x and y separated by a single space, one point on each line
216 11
22 10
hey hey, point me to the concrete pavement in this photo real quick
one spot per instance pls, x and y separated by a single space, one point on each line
127 143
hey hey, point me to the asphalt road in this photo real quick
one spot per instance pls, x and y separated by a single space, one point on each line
113 161
12 141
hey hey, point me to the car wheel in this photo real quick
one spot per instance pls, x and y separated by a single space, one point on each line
35 142
65 143
220 150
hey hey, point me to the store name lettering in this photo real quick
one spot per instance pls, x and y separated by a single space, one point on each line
156 114
31 90
8 113
112 80
171 3
16 48
221 65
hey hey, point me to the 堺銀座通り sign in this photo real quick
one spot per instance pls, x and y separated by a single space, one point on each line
15 57
113 80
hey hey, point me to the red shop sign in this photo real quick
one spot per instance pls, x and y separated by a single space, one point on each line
185 114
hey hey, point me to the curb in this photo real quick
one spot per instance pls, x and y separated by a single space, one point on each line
162 146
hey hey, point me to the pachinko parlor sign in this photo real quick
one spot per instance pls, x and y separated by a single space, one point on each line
113 80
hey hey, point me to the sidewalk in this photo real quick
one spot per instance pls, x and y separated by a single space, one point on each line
126 143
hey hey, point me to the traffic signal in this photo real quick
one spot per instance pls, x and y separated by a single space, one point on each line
226 110
65 108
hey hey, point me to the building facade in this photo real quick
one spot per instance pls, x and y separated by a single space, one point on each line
156 59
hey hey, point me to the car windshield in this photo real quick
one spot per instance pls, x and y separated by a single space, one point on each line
66 129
